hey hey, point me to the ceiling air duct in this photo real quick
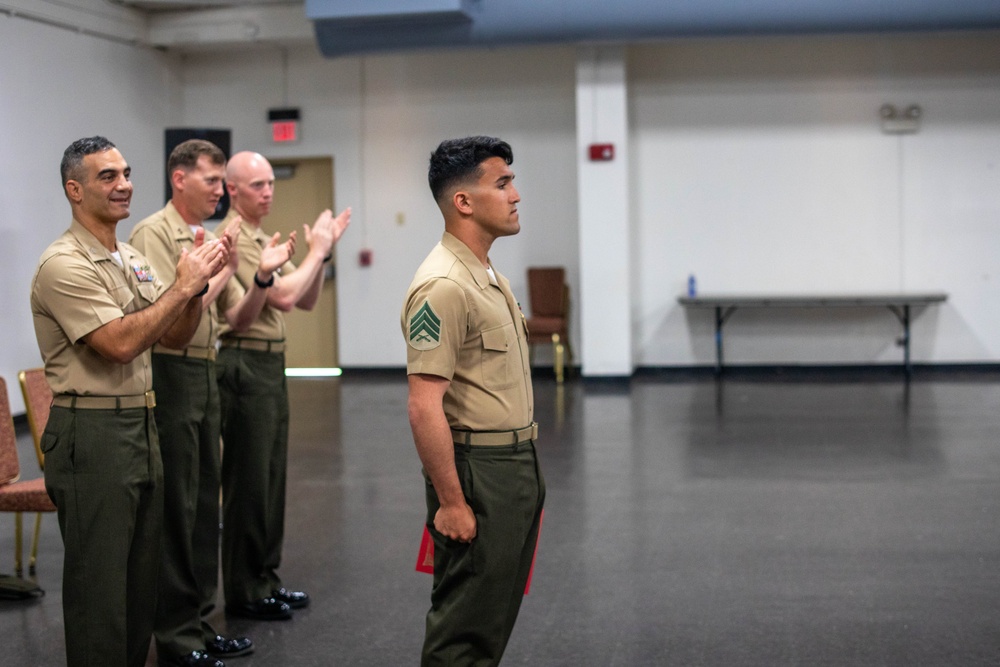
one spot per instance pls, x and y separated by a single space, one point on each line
360 26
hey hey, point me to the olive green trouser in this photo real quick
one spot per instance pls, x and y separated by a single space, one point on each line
478 586
103 472
254 398
187 418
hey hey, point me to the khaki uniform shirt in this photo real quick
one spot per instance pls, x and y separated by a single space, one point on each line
462 326
78 287
270 324
161 237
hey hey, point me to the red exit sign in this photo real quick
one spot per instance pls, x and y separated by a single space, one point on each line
284 131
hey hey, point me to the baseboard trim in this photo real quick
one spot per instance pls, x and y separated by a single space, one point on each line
985 370
990 371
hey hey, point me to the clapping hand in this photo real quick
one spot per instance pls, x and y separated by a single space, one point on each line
232 235
275 254
326 231
202 261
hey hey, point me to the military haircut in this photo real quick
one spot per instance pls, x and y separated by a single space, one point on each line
185 155
456 161
70 169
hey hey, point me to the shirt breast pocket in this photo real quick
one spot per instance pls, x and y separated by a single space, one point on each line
122 295
499 363
148 293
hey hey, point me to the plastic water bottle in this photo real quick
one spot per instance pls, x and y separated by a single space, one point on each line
692 287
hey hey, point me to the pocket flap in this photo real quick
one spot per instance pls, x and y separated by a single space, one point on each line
495 339
148 291
48 442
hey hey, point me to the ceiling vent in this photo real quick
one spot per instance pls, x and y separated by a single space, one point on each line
357 26
362 25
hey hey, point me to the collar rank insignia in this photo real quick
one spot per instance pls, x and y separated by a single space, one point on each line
425 328
143 273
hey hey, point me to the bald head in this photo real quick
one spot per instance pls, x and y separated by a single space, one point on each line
250 181
243 162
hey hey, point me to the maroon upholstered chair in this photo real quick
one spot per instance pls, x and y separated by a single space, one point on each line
548 296
17 496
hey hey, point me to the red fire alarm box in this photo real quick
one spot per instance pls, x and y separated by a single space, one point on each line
602 152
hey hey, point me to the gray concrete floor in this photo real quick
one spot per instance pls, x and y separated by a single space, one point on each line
749 522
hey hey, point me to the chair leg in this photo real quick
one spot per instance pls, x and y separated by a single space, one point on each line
33 559
18 565
558 351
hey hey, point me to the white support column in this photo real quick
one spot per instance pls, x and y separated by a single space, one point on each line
605 276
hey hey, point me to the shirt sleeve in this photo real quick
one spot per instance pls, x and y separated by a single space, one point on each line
74 295
435 324
249 251
230 295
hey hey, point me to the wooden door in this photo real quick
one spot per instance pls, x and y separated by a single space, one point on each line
302 188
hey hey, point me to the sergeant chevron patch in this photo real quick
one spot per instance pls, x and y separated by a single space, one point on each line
425 328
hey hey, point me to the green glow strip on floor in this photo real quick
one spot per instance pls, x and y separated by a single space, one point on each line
313 372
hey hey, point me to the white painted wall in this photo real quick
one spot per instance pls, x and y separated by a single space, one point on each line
757 164
380 117
605 294
55 87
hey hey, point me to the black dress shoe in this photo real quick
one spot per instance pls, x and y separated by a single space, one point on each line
264 609
229 648
199 659
294 599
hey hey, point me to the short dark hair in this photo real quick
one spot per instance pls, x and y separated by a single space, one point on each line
72 159
185 155
457 160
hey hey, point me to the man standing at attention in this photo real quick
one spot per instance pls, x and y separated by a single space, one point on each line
470 408
255 400
187 415
98 307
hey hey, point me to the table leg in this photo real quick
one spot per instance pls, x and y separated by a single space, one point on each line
719 320
906 340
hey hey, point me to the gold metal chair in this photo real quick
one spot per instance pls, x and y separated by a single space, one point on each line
37 402
548 296
19 496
